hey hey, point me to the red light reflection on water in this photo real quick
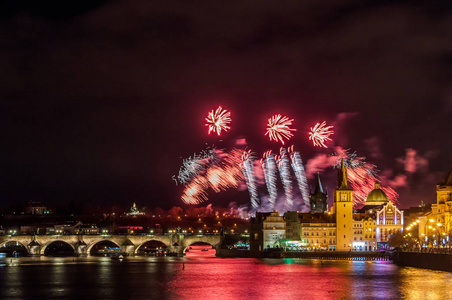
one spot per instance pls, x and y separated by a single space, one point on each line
268 279
200 251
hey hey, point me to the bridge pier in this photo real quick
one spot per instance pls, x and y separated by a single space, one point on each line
81 249
34 248
128 247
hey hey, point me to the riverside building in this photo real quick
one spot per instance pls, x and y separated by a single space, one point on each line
340 229
435 226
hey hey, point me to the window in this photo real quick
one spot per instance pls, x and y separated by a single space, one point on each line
344 236
344 225
344 215
256 236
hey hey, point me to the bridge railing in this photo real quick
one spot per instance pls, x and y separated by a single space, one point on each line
110 234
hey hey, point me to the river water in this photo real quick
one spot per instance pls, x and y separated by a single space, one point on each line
215 278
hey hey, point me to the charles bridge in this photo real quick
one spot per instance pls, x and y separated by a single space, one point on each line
82 244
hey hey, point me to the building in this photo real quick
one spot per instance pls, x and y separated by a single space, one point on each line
274 229
35 208
318 231
379 218
341 229
441 211
293 226
435 226
134 211
319 199
343 210
364 232
257 234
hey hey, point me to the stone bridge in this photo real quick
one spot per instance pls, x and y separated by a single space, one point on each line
82 244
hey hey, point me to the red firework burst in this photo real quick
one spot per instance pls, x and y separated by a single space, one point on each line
218 120
278 128
320 134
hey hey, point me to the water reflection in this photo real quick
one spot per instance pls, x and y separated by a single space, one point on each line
198 278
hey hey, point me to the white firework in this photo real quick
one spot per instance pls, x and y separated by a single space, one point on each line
284 171
269 167
250 179
300 174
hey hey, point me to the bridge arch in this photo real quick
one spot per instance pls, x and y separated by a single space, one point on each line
97 241
18 244
46 245
150 240
198 243
3 243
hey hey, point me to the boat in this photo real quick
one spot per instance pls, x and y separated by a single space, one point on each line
118 257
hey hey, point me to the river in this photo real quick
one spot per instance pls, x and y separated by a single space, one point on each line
215 278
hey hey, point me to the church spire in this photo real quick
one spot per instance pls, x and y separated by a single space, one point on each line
342 177
318 186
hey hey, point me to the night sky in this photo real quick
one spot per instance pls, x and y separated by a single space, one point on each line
101 101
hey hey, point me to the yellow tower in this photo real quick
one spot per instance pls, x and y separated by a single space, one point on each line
444 204
343 208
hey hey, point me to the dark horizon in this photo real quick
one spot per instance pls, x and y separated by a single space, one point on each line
101 100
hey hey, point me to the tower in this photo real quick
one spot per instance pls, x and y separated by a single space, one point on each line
343 209
444 203
319 199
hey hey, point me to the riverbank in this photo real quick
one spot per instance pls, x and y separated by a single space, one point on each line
325 255
433 261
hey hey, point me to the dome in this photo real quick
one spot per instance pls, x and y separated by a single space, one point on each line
377 196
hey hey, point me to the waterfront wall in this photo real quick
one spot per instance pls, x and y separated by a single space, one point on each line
434 261
232 253
330 255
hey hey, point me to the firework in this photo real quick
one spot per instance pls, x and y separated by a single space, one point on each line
218 120
192 165
195 192
362 177
278 128
248 172
211 168
269 167
300 174
284 172
320 134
